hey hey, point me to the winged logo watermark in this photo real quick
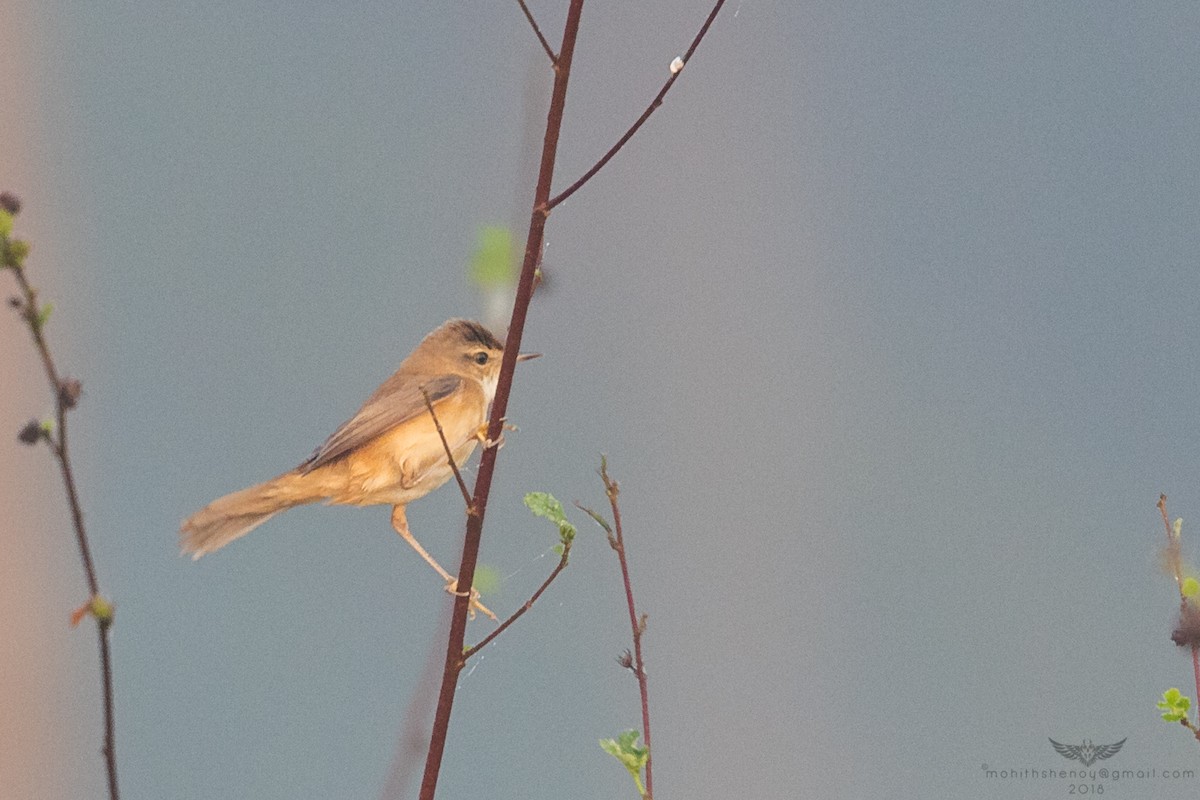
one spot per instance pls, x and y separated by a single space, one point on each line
1087 753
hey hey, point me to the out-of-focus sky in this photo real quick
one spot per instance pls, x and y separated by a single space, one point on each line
885 322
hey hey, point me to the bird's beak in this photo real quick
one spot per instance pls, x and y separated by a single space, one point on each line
528 356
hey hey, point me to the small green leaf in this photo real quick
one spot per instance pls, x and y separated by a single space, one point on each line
6 223
1177 528
1174 705
43 315
1190 587
597 517
625 749
543 504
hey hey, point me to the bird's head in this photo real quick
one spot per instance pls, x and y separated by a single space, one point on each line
466 348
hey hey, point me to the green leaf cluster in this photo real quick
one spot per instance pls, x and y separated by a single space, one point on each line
1174 705
543 504
626 750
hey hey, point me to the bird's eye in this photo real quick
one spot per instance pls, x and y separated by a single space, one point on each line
481 358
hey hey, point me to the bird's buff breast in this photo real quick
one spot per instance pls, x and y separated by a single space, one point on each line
409 461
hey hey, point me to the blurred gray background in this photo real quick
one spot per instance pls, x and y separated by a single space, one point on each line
886 322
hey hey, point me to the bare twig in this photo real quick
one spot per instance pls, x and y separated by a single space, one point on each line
650 109
66 395
462 485
538 31
562 564
636 622
512 347
57 440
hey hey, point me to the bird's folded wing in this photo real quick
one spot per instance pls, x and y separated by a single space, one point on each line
396 401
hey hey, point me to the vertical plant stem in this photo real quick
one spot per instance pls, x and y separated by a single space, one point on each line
110 751
58 445
613 490
512 347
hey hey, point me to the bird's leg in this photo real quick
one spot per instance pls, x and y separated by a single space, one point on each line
400 523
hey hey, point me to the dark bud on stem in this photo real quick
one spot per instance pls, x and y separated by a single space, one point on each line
15 302
626 660
69 391
1187 634
30 433
10 203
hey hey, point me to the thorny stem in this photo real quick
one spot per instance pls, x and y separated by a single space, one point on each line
462 485
538 31
638 624
512 347
650 109
562 564
57 441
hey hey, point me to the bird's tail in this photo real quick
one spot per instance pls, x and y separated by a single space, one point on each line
234 515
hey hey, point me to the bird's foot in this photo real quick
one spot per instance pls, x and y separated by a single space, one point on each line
475 605
481 435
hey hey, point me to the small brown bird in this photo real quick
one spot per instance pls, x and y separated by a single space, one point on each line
389 452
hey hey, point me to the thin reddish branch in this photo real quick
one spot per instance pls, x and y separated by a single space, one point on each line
57 440
538 31
526 285
462 485
650 109
485 641
512 347
638 624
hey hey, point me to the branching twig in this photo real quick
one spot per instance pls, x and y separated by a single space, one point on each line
676 68
512 347
636 622
462 485
525 287
538 31
66 393
562 564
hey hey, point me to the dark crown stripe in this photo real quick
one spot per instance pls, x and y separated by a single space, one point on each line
473 332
